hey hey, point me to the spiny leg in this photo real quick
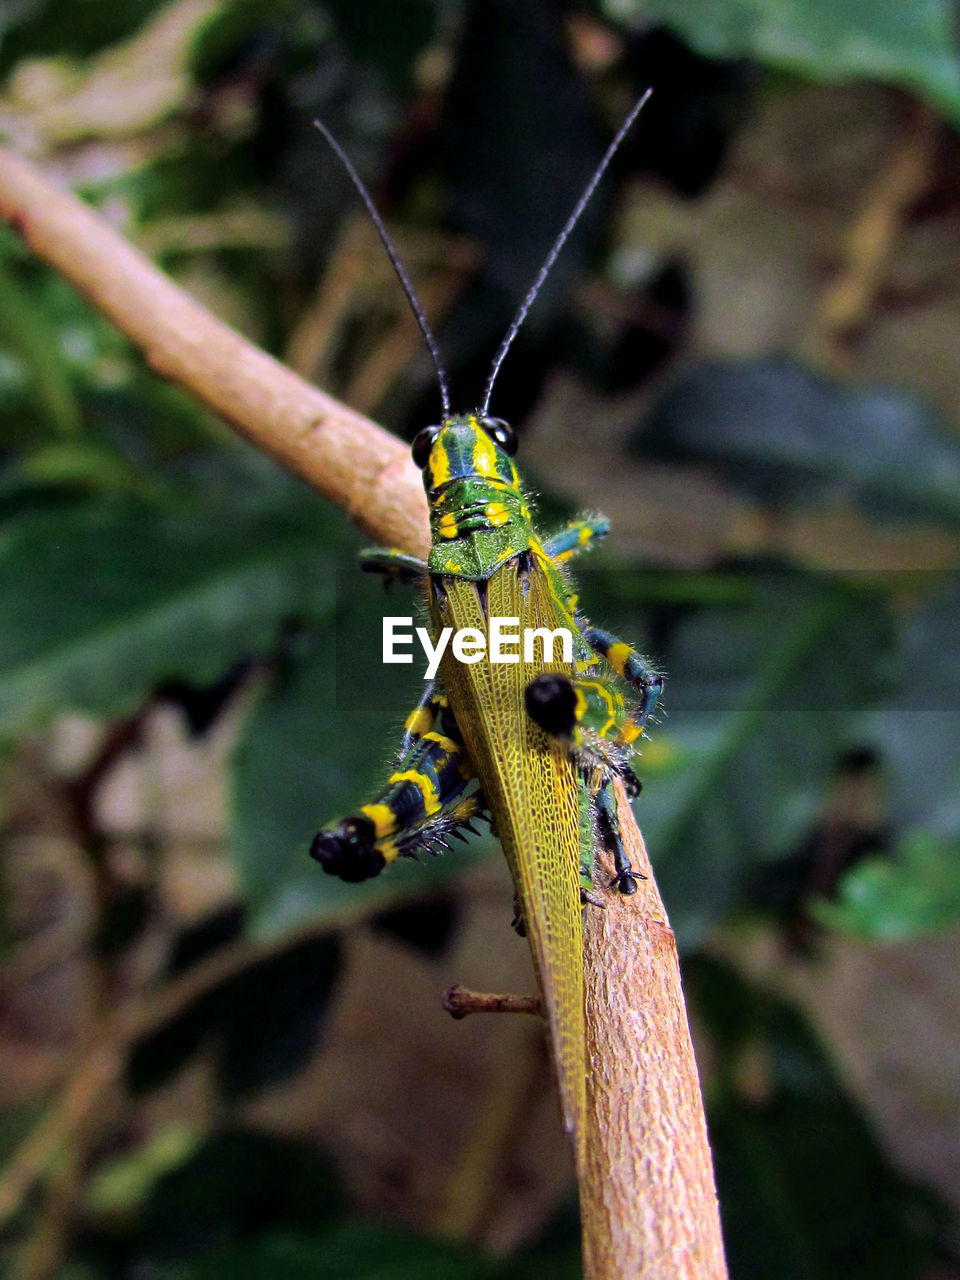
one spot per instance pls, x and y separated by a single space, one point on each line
421 805
423 719
587 713
608 829
573 538
631 666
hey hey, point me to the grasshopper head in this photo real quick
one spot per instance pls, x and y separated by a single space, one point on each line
466 449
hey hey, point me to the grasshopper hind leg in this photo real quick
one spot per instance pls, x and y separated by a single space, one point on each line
421 806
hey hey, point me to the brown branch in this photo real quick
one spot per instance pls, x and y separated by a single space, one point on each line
346 457
459 1002
648 1201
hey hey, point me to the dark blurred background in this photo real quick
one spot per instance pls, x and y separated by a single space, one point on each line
214 1060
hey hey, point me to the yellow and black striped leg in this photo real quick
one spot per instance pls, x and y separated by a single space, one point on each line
636 670
423 719
565 543
608 828
420 807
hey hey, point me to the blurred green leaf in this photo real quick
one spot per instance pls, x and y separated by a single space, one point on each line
790 435
102 601
85 464
237 1185
385 34
26 329
262 1024
760 698
351 1251
32 28
806 1192
894 899
120 1185
907 42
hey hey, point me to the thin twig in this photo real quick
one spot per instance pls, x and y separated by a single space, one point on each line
459 1002
349 459
845 305
647 1199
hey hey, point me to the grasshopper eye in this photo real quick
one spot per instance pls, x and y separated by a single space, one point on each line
422 444
502 434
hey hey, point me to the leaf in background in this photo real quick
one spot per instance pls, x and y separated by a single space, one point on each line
760 698
786 433
521 148
319 743
261 1025
385 34
225 1194
85 465
272 1015
26 329
805 1190
350 1251
895 899
911 43
32 28
101 602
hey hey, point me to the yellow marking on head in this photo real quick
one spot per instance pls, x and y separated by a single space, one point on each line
419 721
423 785
515 477
439 465
617 656
383 818
447 528
484 454
448 744
497 514
524 511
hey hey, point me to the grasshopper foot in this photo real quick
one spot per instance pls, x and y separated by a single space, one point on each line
626 881
349 850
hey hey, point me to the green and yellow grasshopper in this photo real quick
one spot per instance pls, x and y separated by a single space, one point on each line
532 744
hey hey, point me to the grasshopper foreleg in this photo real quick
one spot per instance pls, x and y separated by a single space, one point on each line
576 537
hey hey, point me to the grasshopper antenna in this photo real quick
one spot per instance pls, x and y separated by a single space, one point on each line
398 266
552 256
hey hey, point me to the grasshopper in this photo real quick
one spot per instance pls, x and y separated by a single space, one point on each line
532 744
